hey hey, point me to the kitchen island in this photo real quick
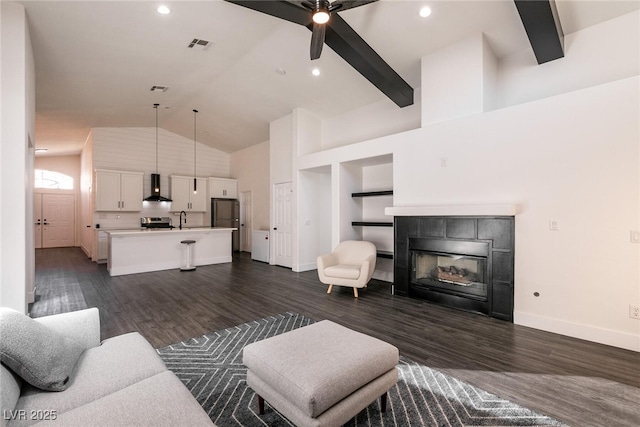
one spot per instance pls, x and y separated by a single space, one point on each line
141 251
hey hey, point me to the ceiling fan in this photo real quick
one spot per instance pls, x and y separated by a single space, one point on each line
326 25
320 11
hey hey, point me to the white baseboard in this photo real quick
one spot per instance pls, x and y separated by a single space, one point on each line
385 276
299 268
610 337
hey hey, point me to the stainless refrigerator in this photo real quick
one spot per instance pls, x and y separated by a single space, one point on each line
226 213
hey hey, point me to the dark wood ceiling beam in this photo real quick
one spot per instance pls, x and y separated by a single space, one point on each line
543 28
345 42
352 48
280 9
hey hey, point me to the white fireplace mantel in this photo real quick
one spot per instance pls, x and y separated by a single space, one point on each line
453 210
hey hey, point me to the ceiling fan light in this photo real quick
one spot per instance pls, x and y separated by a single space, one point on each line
321 16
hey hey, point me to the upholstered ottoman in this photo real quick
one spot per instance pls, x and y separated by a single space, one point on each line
320 375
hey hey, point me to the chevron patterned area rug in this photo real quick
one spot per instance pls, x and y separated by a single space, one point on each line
211 368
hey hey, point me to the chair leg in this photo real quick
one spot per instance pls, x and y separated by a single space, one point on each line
383 402
329 290
355 292
260 405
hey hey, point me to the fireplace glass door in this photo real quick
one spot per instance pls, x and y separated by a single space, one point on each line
462 275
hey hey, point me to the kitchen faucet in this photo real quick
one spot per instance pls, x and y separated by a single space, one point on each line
185 219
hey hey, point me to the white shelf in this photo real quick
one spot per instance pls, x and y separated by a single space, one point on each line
453 210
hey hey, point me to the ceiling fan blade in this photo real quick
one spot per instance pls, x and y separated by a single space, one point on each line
340 37
340 5
305 4
343 40
317 40
290 11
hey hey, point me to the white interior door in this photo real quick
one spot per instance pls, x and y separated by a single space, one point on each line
37 220
282 228
58 220
246 216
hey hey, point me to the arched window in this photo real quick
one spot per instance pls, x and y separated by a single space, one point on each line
51 179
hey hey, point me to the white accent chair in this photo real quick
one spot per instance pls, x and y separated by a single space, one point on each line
351 264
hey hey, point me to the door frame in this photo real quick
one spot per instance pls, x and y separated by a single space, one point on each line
273 250
41 195
245 231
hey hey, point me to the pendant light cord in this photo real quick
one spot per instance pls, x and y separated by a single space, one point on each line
195 162
156 108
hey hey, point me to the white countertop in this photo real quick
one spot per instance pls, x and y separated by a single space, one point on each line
185 230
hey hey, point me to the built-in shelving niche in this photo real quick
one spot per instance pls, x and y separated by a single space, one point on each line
366 188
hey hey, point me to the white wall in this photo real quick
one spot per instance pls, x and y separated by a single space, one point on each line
281 150
564 147
602 53
251 168
134 149
458 80
314 216
379 119
86 207
17 122
576 163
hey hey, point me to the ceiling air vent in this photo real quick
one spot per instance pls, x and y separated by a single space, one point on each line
159 88
198 42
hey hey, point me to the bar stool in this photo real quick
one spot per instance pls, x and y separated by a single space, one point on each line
188 267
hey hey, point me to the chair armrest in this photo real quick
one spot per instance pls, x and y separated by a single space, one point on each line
82 326
323 262
366 269
327 260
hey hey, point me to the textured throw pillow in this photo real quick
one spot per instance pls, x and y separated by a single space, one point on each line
39 355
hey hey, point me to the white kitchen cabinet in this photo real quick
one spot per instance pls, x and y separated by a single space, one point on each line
223 188
118 191
184 199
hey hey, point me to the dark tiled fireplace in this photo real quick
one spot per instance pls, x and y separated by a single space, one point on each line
461 262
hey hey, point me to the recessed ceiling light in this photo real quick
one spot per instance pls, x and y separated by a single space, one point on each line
315 72
40 150
163 10
425 11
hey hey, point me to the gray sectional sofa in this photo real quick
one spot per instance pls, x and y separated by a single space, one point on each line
118 382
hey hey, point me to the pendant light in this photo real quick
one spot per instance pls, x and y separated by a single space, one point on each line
155 178
195 129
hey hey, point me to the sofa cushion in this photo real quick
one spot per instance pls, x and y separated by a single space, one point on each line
117 363
160 400
343 271
9 392
316 366
38 354
82 326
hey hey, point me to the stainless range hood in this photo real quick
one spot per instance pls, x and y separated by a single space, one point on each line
155 177
155 190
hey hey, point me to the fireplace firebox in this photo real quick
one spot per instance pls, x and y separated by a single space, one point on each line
461 262
455 274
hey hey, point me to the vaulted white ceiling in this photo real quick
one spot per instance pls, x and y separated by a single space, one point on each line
96 62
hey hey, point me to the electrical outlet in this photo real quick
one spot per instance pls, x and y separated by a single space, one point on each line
553 225
634 311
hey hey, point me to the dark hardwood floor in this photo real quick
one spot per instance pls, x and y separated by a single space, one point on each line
578 382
